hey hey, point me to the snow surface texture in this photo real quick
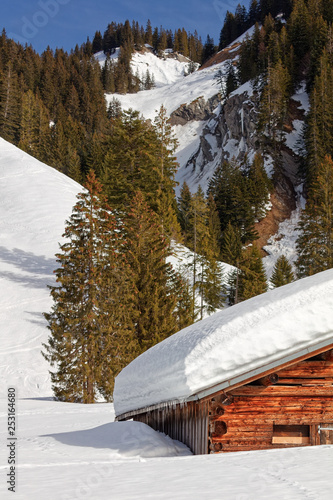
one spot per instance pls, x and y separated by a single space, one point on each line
230 343
165 70
71 451
35 201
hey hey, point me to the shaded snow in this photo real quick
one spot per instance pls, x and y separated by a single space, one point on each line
35 202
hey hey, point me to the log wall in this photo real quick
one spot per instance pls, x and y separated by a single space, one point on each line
301 395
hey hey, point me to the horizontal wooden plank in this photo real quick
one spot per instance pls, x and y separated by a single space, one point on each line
243 436
300 418
281 390
249 447
287 402
306 381
308 369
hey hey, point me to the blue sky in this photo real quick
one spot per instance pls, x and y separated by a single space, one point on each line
63 23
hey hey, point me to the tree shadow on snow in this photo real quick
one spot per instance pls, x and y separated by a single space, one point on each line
27 262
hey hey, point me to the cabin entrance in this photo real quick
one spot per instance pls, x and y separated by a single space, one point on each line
326 433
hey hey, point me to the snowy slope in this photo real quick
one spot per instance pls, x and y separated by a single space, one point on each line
165 70
183 90
229 344
70 451
35 201
172 91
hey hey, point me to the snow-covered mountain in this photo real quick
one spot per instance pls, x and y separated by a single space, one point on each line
165 70
66 451
209 131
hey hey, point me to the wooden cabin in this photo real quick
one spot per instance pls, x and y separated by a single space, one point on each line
282 401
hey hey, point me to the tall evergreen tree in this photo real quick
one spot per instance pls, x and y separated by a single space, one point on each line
184 212
282 272
9 104
315 241
249 279
167 168
91 322
156 287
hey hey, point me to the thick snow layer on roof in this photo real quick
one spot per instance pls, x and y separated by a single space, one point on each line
230 343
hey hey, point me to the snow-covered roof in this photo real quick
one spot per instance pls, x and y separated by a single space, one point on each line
232 345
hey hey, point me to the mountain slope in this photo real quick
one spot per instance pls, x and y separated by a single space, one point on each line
35 202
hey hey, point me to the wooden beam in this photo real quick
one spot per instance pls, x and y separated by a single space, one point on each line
247 421
306 381
308 369
280 390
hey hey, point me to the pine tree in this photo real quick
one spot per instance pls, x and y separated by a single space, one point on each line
259 186
149 34
315 241
319 133
9 104
229 187
130 163
231 248
249 279
274 102
91 322
167 168
203 240
147 250
184 211
282 272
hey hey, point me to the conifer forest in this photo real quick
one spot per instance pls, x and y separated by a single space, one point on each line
117 293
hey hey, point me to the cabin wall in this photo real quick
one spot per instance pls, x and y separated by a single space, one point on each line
187 423
295 411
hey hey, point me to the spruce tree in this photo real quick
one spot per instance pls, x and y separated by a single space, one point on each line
282 272
315 241
91 321
156 297
207 275
167 168
249 279
9 104
231 248
184 211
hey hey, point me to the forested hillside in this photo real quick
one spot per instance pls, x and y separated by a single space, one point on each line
124 226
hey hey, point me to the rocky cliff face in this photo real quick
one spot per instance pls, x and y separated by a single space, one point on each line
229 131
197 110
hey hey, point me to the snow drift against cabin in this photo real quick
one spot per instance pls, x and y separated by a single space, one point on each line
230 343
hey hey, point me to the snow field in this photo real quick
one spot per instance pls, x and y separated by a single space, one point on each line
75 452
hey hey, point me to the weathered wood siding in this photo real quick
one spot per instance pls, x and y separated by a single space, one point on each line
186 422
244 418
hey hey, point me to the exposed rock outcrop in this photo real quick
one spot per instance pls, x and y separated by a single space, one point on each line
229 133
197 110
